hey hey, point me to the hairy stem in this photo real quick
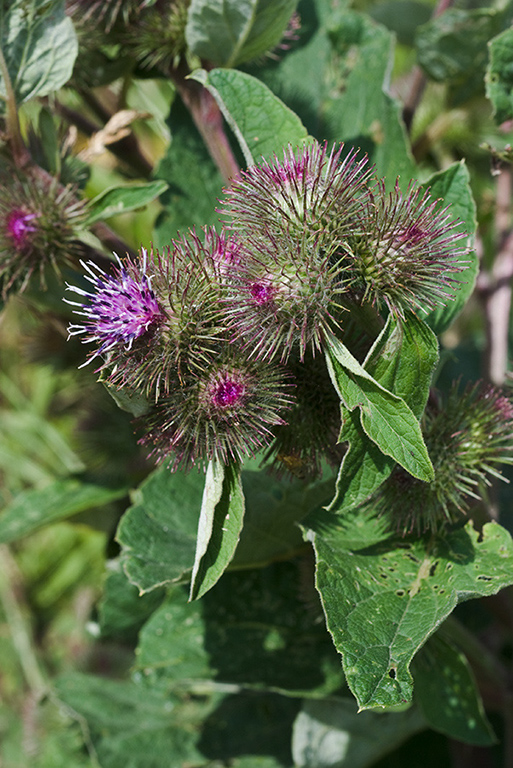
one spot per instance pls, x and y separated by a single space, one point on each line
209 122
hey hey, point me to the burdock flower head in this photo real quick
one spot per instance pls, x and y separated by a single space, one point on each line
120 309
282 297
226 413
310 194
293 217
39 223
408 252
468 439
152 318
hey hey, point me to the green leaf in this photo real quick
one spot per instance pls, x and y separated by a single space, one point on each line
447 694
172 643
382 603
385 418
330 733
273 509
33 509
358 110
158 533
39 45
299 78
122 610
230 32
134 725
402 359
452 186
128 400
499 76
194 183
219 528
255 629
452 48
128 197
261 123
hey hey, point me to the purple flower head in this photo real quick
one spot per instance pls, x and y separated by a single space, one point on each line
410 251
309 194
120 308
153 318
18 226
38 227
284 295
226 413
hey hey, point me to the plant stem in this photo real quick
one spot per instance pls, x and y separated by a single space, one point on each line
209 122
20 152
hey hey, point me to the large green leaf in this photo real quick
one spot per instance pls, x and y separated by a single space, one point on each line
358 110
230 32
219 527
129 197
36 508
134 725
385 418
499 76
382 603
261 123
447 694
402 360
452 186
122 610
158 533
39 46
330 733
255 628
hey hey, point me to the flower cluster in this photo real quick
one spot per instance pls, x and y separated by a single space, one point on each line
468 437
221 331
